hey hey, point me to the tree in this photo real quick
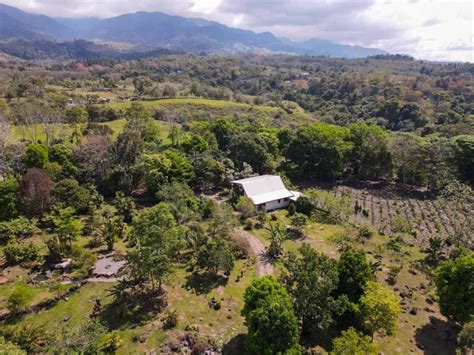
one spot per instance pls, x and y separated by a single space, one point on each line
216 255
77 115
36 190
125 206
91 157
141 84
107 227
157 239
181 199
354 272
138 118
8 198
270 318
36 156
380 309
250 148
68 193
277 236
208 173
4 133
68 228
464 145
410 158
245 206
195 144
370 157
455 288
311 280
317 151
352 342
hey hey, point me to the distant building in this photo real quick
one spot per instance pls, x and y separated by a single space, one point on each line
268 192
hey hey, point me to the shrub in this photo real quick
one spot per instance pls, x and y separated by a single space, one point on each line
291 209
298 220
365 232
466 338
171 320
8 348
111 342
82 261
19 298
246 207
399 224
19 253
21 227
32 339
248 226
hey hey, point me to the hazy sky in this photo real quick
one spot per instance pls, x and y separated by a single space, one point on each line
426 29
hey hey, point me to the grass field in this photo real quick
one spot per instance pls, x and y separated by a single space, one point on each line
195 102
63 132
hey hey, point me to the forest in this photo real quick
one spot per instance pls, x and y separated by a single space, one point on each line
120 231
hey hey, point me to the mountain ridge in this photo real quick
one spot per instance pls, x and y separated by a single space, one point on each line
159 30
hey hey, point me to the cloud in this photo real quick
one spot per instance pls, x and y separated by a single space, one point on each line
427 29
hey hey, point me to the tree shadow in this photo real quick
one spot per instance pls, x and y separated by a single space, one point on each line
437 337
235 346
203 283
323 339
132 308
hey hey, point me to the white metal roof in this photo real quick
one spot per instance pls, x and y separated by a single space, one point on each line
264 188
271 196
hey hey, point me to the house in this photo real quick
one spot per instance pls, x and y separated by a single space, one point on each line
268 192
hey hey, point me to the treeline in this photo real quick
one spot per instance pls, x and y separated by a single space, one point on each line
397 94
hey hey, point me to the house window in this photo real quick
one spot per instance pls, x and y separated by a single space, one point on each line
278 201
286 199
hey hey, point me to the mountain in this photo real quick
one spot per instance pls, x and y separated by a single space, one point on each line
151 30
79 49
17 23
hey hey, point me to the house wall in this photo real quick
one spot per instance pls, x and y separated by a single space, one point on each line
275 205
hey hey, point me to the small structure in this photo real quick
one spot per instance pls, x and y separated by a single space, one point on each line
268 192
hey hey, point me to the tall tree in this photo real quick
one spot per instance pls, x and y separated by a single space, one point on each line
157 239
380 308
311 280
354 273
270 318
36 190
318 151
370 158
454 281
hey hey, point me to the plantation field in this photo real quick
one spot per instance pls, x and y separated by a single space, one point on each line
389 209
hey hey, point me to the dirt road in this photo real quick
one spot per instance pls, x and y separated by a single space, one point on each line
264 267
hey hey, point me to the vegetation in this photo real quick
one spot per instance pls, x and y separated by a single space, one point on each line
272 324
127 164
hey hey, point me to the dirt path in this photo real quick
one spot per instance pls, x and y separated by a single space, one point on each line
264 267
